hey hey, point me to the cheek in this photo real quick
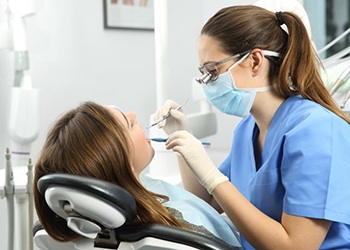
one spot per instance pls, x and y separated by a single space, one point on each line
148 152
143 151
239 78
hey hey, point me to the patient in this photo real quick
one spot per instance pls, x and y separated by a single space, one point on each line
102 142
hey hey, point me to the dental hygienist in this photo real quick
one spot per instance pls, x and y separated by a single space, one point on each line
285 183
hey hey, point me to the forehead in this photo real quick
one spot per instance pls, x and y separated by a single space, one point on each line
209 50
118 115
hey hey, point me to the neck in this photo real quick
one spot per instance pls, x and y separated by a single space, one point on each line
264 108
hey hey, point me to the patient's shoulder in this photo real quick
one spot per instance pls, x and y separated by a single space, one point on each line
190 226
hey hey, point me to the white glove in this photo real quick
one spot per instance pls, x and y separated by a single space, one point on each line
197 159
176 121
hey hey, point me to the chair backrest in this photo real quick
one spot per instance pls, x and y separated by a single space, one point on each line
98 210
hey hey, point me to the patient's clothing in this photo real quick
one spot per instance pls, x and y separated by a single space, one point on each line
192 227
193 209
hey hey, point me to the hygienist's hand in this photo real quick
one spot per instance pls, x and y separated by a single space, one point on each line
177 120
197 159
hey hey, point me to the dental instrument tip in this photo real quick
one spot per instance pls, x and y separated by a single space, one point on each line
166 116
205 143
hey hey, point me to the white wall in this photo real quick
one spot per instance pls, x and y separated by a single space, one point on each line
74 59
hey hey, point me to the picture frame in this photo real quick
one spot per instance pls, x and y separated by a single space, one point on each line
128 14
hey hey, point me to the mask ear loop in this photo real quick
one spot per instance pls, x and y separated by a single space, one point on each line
261 89
234 65
239 61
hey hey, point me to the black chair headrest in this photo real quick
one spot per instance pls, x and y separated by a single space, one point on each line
110 193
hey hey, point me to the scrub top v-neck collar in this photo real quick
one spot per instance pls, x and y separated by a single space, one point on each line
276 119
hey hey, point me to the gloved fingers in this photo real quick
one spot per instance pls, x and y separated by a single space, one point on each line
182 142
164 110
168 105
174 115
197 159
177 114
180 118
161 124
174 140
156 115
182 134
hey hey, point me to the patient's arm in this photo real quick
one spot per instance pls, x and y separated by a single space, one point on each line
192 185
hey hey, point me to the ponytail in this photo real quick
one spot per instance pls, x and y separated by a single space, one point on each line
299 70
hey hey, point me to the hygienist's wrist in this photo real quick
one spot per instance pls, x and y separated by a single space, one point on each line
213 178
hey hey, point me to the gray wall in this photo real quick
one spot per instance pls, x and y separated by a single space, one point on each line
74 59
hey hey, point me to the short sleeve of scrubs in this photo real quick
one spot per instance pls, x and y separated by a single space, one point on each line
315 168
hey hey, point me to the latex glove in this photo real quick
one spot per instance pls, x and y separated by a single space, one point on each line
176 121
197 159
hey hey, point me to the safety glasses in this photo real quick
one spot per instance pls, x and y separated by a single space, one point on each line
210 71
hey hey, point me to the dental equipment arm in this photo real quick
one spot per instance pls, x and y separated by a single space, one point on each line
30 201
334 59
6 29
204 122
340 81
22 123
9 192
334 41
346 98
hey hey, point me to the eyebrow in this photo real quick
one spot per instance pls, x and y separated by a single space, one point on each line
126 119
206 63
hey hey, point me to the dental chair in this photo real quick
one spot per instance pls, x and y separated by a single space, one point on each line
97 210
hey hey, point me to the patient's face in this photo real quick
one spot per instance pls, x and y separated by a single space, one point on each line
143 151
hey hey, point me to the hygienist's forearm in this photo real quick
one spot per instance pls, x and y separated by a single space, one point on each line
250 222
264 232
190 182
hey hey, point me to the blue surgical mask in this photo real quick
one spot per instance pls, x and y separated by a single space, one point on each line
226 97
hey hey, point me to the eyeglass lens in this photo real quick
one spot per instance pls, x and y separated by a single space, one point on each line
211 69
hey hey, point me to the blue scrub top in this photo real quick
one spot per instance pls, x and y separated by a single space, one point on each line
304 168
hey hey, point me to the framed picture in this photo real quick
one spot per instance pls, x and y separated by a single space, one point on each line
128 14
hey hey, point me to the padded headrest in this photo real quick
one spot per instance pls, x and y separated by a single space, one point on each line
82 201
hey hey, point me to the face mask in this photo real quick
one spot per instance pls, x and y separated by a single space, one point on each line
226 97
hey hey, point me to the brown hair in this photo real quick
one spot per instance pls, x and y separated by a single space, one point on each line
243 28
89 141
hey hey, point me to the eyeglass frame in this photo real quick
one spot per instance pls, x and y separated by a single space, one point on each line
214 64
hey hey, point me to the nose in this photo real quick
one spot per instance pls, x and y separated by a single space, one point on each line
131 115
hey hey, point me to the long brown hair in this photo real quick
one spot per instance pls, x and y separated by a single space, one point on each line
296 71
89 141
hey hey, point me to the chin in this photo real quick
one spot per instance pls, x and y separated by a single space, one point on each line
153 153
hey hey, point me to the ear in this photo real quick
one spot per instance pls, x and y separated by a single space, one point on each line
257 59
132 168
